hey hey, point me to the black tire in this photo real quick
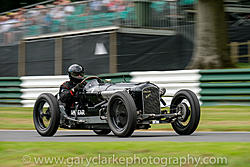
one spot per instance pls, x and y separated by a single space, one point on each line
52 114
102 132
122 114
194 113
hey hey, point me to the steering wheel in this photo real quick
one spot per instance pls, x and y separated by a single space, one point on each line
92 77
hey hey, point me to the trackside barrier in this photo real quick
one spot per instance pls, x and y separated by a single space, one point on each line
171 80
225 87
213 87
33 86
10 92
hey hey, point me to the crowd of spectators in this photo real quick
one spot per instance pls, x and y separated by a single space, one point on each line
41 18
63 15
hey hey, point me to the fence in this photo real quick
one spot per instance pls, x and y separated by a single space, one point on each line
10 91
101 50
160 14
33 86
213 87
238 52
225 87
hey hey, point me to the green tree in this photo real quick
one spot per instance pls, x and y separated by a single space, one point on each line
211 44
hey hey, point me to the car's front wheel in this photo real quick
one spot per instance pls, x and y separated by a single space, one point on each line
121 113
46 115
186 104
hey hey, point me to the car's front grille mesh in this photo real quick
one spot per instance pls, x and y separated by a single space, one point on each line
151 100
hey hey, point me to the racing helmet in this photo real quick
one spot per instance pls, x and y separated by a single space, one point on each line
76 73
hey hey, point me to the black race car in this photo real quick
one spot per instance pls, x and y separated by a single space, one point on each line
117 107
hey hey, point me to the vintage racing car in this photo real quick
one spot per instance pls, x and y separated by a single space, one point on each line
117 107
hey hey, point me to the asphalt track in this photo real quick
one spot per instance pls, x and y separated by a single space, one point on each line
89 136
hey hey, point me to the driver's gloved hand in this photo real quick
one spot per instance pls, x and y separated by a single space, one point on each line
78 86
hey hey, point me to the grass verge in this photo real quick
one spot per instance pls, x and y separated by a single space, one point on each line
219 118
120 153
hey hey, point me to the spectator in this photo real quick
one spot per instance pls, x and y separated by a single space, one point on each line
112 6
120 5
2 20
35 11
52 18
57 13
12 19
105 5
96 6
21 25
10 25
44 20
86 12
4 24
68 9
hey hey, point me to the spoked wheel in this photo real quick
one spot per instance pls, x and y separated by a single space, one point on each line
186 104
122 114
46 115
102 132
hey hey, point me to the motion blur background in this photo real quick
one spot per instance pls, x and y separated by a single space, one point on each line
201 45
127 39
108 36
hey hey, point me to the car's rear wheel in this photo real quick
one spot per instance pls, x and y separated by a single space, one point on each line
102 132
121 113
186 104
46 115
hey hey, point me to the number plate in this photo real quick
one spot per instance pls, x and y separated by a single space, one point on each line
78 112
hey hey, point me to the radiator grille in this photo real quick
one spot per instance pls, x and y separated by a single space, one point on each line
151 100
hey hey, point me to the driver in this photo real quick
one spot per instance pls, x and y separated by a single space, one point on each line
68 90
